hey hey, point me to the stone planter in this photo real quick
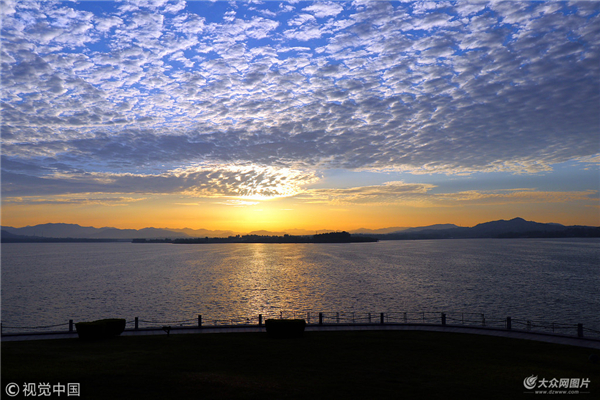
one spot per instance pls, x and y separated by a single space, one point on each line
285 328
101 329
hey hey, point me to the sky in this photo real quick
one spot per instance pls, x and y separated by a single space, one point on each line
299 115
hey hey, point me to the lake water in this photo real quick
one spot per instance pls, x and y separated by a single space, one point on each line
540 279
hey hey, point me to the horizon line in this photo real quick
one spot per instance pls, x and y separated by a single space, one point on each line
285 229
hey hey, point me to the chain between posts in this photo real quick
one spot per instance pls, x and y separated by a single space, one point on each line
348 318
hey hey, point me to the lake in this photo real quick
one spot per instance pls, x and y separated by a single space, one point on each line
540 279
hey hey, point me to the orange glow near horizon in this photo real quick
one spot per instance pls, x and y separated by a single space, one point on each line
285 214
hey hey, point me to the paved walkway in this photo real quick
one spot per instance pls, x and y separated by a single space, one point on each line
516 334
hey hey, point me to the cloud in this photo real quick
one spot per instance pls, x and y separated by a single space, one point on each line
390 192
595 159
80 199
306 32
421 195
238 203
251 182
234 181
175 7
513 196
143 90
7 7
301 19
321 10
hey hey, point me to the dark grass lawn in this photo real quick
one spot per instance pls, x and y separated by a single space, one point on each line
321 365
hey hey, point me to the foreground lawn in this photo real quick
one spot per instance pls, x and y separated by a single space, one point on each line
321 365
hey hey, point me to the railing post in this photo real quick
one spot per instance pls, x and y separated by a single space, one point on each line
443 319
405 318
579 330
259 319
482 319
337 317
320 318
199 321
508 323
528 325
70 325
136 324
308 318
369 317
381 319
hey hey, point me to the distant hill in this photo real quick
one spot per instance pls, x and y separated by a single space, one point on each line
54 230
437 227
266 233
516 227
200 233
394 230
306 232
145 233
330 237
75 231
297 232
8 237
381 231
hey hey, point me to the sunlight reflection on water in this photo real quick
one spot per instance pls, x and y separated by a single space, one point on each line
546 279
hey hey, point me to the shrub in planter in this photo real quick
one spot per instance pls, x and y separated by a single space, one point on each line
285 328
90 330
115 326
101 329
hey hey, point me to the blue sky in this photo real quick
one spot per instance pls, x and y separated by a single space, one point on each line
386 104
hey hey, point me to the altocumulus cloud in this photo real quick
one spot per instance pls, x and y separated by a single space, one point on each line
79 199
249 181
133 96
388 193
419 195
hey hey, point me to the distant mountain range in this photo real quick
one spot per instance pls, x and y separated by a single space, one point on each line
382 231
385 231
74 231
517 227
514 228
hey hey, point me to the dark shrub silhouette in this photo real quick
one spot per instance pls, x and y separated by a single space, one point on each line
101 329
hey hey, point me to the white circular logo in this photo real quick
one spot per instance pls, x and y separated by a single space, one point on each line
12 389
529 382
